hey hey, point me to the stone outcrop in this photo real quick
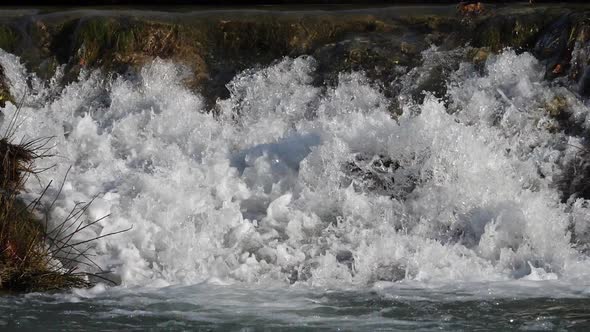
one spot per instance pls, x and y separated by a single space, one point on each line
217 44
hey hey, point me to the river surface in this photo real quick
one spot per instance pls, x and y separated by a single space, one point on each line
295 205
478 307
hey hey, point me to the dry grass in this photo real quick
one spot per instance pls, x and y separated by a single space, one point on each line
32 256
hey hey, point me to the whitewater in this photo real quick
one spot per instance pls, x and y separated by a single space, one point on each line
289 190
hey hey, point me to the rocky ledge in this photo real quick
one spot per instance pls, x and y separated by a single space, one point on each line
215 44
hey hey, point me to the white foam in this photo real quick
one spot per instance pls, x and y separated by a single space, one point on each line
281 185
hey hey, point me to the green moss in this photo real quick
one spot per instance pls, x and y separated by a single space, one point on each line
124 40
97 40
5 97
497 33
492 38
524 33
8 38
94 36
114 41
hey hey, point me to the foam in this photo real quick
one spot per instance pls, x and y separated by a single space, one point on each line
290 182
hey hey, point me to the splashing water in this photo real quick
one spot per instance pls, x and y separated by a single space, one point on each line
289 182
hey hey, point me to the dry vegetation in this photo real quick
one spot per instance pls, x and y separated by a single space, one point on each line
32 256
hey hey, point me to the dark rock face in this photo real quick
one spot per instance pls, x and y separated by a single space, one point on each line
384 43
215 46
563 46
552 46
226 2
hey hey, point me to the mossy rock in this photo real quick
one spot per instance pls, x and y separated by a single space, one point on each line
5 95
96 39
429 23
524 33
518 32
579 44
236 43
379 56
267 37
479 55
8 38
218 45
557 106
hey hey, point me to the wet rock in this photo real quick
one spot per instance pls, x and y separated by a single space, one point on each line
580 55
4 90
574 181
516 31
562 118
430 77
408 48
378 56
480 55
557 106
552 46
584 83
471 8
579 66
564 48
345 257
430 23
218 45
303 273
372 174
241 42
8 38
293 276
389 272
558 109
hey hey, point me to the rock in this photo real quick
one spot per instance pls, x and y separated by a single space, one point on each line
552 46
557 106
389 272
8 38
345 257
558 69
4 90
512 30
471 8
216 46
372 173
584 83
408 48
480 55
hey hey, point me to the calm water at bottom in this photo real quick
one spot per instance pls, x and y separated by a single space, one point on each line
235 308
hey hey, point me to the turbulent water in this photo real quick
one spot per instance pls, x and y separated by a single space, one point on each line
293 204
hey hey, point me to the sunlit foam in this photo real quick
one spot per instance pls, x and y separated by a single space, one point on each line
287 182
